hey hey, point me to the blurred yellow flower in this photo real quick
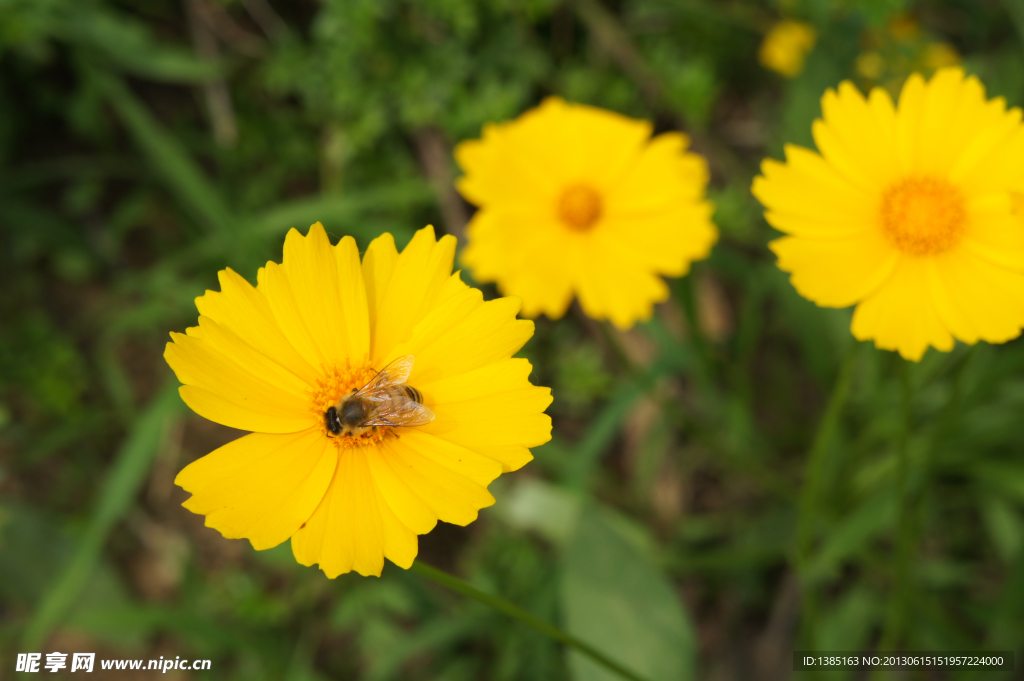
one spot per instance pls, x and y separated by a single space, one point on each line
785 47
275 358
907 213
939 55
870 65
575 200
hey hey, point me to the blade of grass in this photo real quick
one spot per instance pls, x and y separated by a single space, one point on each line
127 44
181 174
810 493
127 473
607 423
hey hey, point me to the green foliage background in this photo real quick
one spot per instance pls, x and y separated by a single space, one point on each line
146 144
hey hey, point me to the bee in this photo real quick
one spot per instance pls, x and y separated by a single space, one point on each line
385 401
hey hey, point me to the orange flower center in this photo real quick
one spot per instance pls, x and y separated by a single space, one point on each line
924 215
579 207
334 383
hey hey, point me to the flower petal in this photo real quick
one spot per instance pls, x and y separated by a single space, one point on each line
493 410
317 299
858 135
527 263
806 197
900 314
222 390
244 310
618 287
449 494
463 334
261 487
976 300
419 274
663 175
353 528
837 273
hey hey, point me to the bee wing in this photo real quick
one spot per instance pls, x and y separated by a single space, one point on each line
401 411
394 373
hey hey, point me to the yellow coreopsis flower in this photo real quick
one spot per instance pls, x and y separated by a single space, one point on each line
910 213
576 200
786 46
282 359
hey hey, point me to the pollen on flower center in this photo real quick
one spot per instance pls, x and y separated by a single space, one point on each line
579 207
923 215
334 383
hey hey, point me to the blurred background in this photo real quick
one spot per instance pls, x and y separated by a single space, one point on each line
146 144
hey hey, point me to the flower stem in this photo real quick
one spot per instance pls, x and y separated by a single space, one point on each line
524 617
896 618
811 490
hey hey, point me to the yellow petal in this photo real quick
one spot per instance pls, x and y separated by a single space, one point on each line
226 344
236 412
353 529
807 197
529 264
463 334
514 160
900 315
975 300
615 286
214 379
378 265
277 287
244 310
449 495
354 309
334 312
261 487
994 232
837 272
420 272
493 410
663 174
861 133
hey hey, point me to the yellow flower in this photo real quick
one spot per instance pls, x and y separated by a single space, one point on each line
274 358
870 65
939 55
908 213
578 200
785 47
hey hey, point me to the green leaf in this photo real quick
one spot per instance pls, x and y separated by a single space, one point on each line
852 533
1004 526
618 601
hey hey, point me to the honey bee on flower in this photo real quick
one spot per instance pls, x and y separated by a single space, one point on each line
325 360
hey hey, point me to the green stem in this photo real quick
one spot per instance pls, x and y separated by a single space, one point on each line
811 490
896 618
515 612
